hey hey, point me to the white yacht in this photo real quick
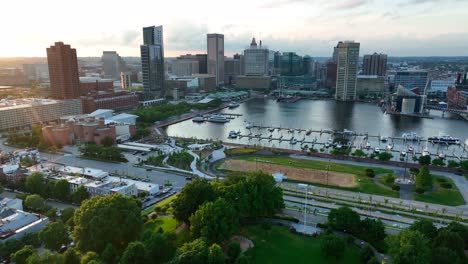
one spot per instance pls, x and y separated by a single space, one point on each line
233 104
367 145
198 119
376 150
410 149
403 153
426 152
293 141
232 134
383 138
389 147
248 126
444 139
441 156
410 136
309 131
218 119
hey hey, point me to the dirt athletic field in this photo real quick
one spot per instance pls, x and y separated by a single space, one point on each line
298 174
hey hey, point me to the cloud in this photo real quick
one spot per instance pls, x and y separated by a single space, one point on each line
349 4
281 3
422 2
130 37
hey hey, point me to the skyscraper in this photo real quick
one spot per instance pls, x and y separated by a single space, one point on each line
256 59
112 64
63 71
152 62
346 74
375 64
215 47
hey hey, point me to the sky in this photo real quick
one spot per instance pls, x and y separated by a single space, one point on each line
312 27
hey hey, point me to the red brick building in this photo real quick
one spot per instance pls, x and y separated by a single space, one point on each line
114 101
96 86
63 71
85 129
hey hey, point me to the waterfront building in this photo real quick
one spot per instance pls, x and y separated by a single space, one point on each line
346 76
408 102
375 64
256 59
291 64
152 62
200 58
63 71
253 82
411 79
26 112
116 101
438 88
370 85
215 63
112 65
331 69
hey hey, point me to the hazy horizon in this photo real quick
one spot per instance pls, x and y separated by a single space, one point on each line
400 28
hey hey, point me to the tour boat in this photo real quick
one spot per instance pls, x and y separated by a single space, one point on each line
218 119
444 139
232 134
410 136
233 104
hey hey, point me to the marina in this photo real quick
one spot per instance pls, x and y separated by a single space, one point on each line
318 124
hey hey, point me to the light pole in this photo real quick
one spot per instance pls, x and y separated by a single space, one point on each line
305 208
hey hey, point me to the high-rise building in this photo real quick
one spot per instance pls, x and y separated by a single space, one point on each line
375 64
112 65
215 47
152 62
411 79
200 58
256 59
182 68
126 80
63 71
291 64
346 74
232 69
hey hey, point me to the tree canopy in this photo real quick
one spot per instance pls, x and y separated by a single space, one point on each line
35 183
215 221
344 219
409 247
54 235
113 219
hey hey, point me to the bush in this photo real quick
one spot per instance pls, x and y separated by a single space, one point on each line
370 173
333 246
453 164
233 250
419 190
396 187
389 178
359 153
446 185
438 162
384 156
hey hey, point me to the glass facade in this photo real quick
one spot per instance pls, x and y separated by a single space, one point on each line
152 62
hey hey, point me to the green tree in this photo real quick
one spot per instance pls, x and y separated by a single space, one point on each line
191 197
67 213
424 160
242 259
370 173
10 247
332 246
20 256
89 257
160 247
80 194
215 221
71 256
195 252
344 219
35 183
424 179
62 190
54 235
233 251
215 255
35 202
372 231
366 253
134 254
409 247
101 216
385 156
426 227
110 254
459 229
451 240
443 255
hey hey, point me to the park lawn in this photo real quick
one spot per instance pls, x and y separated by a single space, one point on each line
240 151
279 245
167 223
451 197
160 204
365 184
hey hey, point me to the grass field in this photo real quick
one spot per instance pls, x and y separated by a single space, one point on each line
279 245
240 151
160 204
167 223
364 184
442 196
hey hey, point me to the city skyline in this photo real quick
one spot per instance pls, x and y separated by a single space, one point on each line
404 28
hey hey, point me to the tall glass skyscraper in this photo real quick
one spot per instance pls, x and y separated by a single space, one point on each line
215 47
152 62
347 53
